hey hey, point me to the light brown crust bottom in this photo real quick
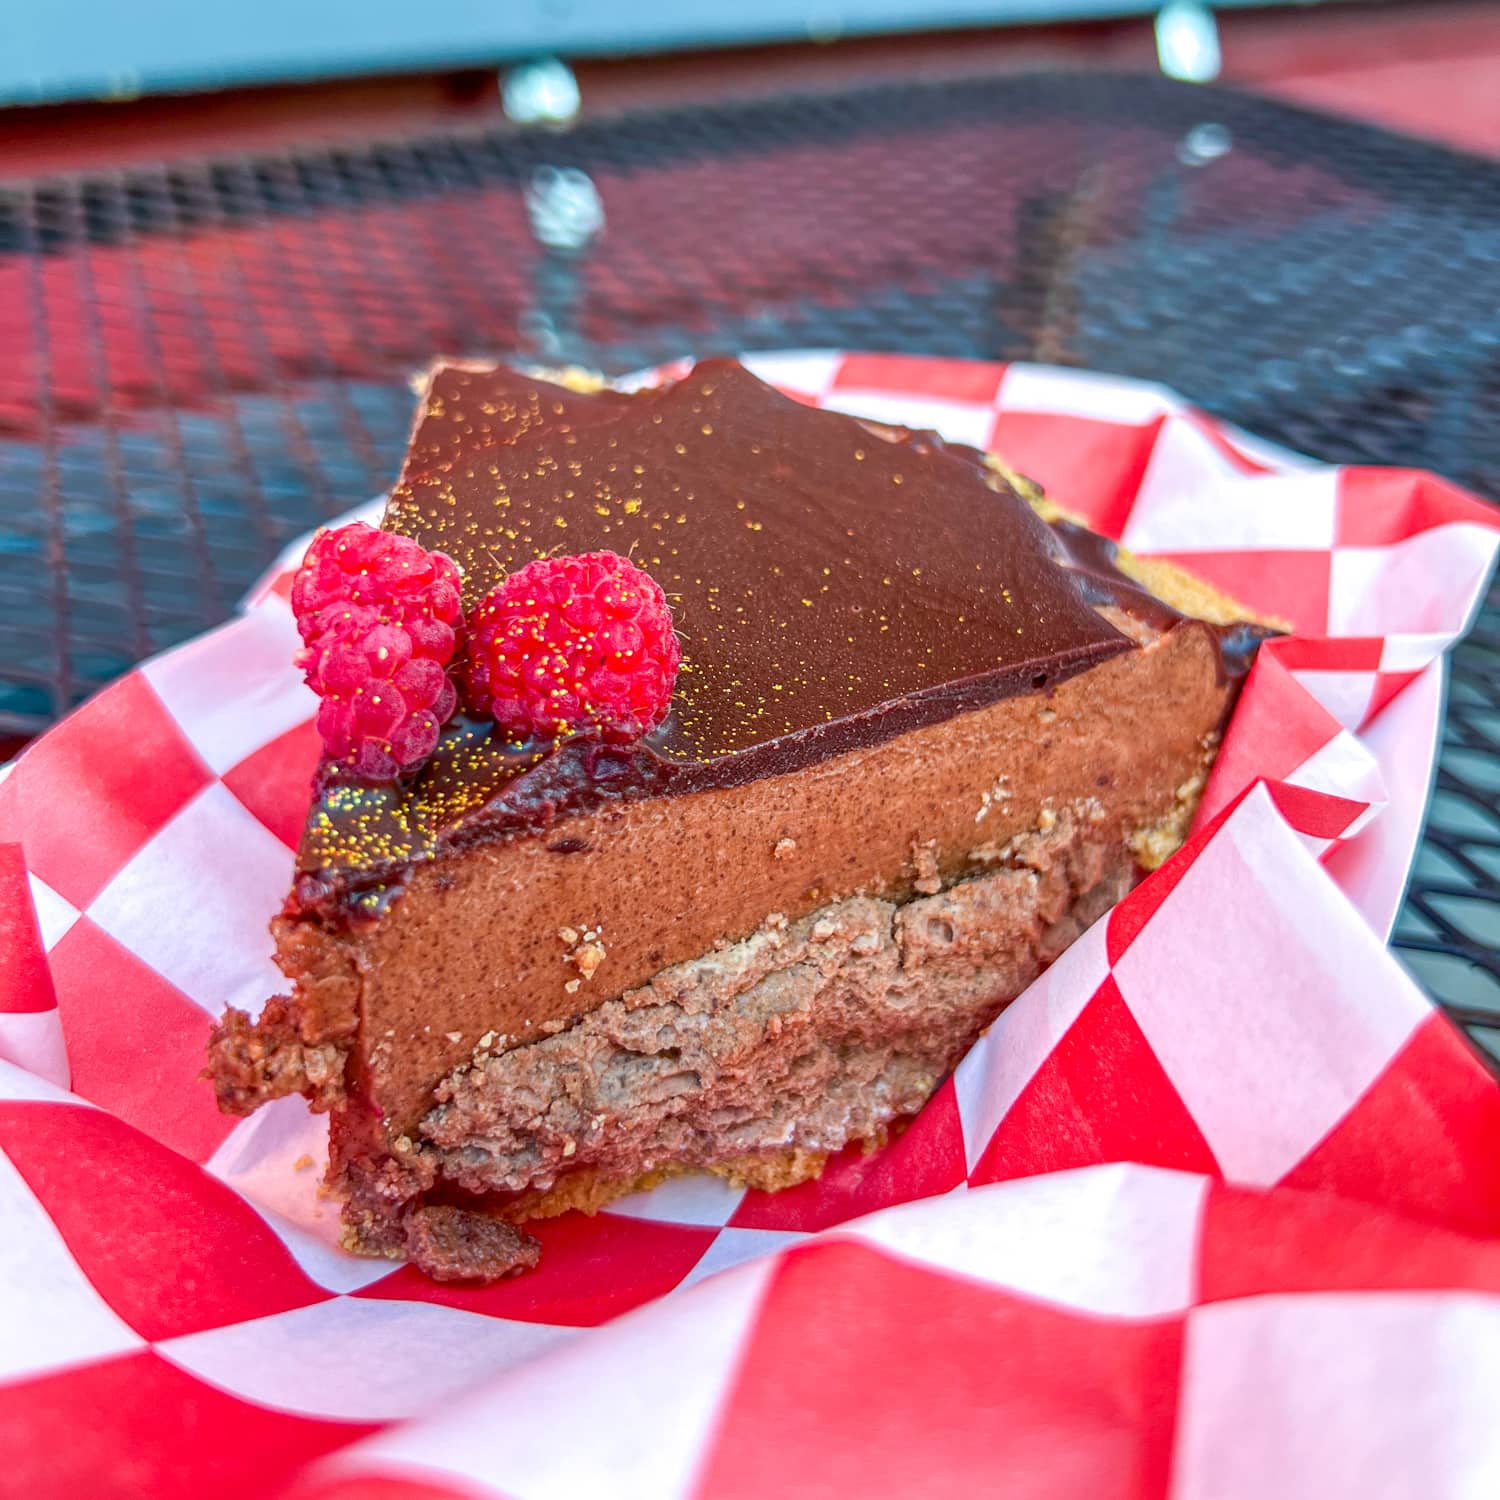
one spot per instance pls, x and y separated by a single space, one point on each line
452 1242
587 1190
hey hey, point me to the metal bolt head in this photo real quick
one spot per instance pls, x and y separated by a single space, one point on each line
564 207
1187 42
540 92
1204 143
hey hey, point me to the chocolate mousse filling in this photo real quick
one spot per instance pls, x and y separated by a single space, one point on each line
921 738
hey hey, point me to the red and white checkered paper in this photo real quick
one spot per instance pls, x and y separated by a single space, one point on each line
1212 1211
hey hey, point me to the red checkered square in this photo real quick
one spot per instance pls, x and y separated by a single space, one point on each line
1319 817
1289 586
103 782
1254 1244
1101 1096
25 981
968 382
1386 686
1355 654
135 1043
137 1426
1377 507
170 1249
275 783
1440 1103
1092 469
995 1393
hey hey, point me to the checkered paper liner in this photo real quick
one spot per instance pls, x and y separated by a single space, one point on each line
1212 1210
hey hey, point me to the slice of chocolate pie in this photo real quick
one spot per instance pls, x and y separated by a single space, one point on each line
920 739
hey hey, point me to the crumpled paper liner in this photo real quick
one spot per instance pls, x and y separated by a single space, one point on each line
1213 1209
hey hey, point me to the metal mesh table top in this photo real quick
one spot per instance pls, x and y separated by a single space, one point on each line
206 358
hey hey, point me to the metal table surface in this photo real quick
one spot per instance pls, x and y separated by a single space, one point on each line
205 358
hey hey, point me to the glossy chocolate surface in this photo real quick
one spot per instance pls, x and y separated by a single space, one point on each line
834 586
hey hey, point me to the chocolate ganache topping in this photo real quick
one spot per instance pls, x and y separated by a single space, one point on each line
833 584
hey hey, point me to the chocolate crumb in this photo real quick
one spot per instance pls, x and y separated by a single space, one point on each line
587 958
458 1244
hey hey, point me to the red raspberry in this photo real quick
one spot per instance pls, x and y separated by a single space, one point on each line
570 644
379 616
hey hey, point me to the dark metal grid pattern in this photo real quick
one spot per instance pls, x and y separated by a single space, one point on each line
204 359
